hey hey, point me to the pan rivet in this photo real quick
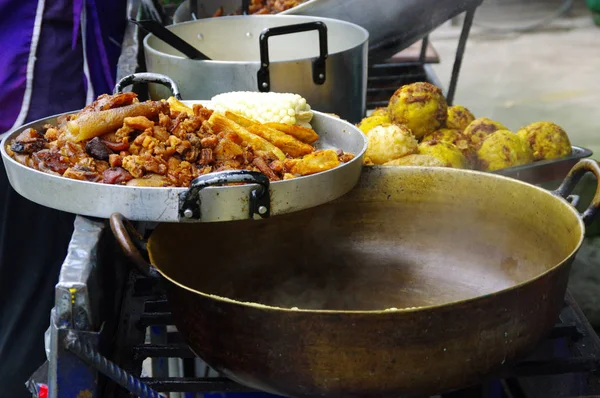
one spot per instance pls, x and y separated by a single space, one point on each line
265 84
248 34
262 210
200 36
321 76
187 213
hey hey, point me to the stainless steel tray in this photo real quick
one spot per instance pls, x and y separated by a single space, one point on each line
206 200
546 170
393 25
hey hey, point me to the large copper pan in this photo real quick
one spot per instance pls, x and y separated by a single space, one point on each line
418 281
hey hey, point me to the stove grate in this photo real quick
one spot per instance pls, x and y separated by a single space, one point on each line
567 363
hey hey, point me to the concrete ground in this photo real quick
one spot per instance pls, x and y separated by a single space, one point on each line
551 73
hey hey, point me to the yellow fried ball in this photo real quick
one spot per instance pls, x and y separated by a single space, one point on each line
378 117
503 149
459 117
448 153
455 137
547 140
479 129
388 142
380 111
419 106
416 160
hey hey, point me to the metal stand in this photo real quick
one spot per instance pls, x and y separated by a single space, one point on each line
90 356
385 78
462 44
77 323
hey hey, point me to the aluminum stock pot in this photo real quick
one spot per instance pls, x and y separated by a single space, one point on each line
418 281
393 25
323 60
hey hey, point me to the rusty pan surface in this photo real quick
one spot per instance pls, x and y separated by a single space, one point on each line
419 281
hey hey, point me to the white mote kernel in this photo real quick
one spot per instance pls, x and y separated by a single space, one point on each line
285 108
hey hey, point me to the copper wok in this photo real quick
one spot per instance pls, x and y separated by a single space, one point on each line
418 281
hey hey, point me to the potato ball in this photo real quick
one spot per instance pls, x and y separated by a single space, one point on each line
450 136
380 111
547 140
448 153
388 142
503 149
479 129
416 160
419 106
378 117
459 117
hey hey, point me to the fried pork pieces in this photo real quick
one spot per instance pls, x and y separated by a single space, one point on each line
119 140
264 7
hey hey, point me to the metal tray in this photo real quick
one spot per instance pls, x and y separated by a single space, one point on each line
546 170
543 171
206 200
393 25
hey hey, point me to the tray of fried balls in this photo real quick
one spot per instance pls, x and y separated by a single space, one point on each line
418 128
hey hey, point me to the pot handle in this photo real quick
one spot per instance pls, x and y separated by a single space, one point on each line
318 71
148 78
260 198
132 244
565 189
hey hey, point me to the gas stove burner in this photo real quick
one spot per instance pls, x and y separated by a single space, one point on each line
566 364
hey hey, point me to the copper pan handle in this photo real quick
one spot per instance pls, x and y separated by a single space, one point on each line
131 242
565 189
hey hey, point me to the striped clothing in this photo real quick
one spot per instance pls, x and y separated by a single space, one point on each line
55 57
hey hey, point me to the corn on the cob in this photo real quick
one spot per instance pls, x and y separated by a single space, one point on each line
285 108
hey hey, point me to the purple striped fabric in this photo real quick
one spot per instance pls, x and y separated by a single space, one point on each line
112 30
58 76
59 84
16 27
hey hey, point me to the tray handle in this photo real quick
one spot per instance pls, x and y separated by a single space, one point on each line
564 190
147 77
132 244
318 72
260 198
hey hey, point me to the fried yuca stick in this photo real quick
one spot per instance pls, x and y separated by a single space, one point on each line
222 124
179 106
312 163
93 124
287 143
239 119
304 134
